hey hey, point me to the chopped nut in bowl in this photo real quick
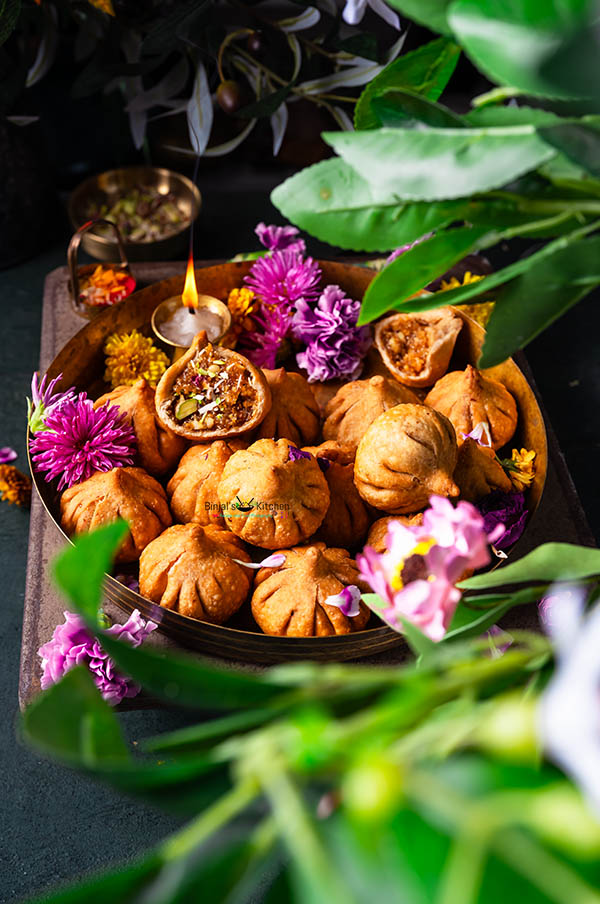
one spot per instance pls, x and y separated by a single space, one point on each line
211 393
416 348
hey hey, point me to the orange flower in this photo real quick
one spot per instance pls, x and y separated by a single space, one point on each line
15 487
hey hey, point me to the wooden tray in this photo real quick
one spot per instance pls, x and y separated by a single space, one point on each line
43 608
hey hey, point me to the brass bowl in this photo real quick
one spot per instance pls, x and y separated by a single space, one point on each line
167 308
108 187
81 362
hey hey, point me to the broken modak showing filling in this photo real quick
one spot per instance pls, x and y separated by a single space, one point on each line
416 348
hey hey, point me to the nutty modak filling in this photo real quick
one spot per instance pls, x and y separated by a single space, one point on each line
213 391
408 347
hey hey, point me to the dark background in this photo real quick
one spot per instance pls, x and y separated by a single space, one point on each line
57 825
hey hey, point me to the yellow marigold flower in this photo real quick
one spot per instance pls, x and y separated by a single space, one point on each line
241 303
130 356
104 6
521 468
15 487
480 311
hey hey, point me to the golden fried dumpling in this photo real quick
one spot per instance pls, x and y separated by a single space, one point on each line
478 472
192 570
192 489
376 537
272 496
291 600
408 453
128 493
468 398
211 393
416 348
356 405
294 412
347 519
159 449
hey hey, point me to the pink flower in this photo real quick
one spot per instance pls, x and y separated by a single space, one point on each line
481 434
276 238
72 644
399 251
261 346
78 440
348 601
416 576
7 453
283 277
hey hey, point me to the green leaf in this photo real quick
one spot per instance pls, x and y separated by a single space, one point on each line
573 67
362 45
188 681
549 562
579 142
72 721
197 737
79 570
165 31
393 108
483 286
420 644
431 13
470 621
529 304
119 886
9 16
265 106
331 201
490 117
425 71
416 268
510 40
435 164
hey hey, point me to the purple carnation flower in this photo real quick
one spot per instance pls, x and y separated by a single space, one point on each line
335 345
44 399
72 644
276 238
77 441
282 278
507 509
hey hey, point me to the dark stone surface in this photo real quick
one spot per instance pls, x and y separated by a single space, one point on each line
56 824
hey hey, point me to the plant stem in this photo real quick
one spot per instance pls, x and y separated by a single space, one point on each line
315 98
221 812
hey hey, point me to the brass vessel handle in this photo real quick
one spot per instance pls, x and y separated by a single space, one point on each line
74 248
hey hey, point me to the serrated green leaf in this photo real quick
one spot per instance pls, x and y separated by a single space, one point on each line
393 108
331 201
416 268
510 40
431 13
530 303
79 570
438 164
72 721
425 71
549 562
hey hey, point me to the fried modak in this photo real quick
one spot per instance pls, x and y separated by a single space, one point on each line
211 393
478 472
416 348
159 449
355 406
376 537
291 600
347 519
192 490
294 412
192 570
408 453
128 493
468 399
273 495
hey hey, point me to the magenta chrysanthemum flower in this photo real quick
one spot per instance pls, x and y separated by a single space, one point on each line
72 644
77 441
261 345
276 238
282 278
335 346
43 400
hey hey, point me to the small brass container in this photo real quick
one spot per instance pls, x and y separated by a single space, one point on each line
167 308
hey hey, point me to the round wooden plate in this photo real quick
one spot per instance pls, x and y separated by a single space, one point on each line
81 362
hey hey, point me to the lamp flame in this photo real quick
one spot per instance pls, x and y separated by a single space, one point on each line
189 296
